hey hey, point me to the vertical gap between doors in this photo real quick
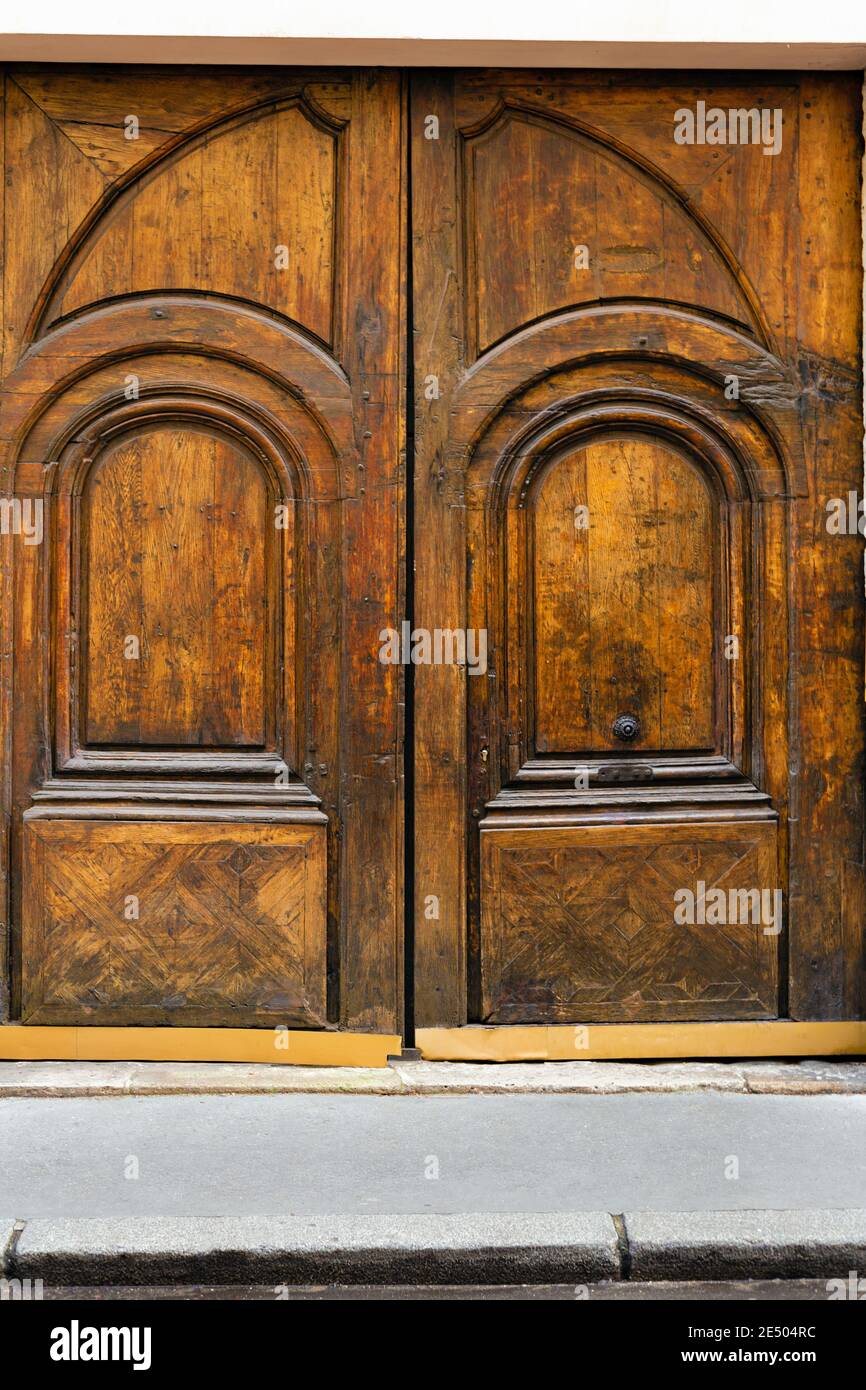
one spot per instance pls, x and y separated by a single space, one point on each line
409 669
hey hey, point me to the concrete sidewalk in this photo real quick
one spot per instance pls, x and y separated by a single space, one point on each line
807 1077
433 1188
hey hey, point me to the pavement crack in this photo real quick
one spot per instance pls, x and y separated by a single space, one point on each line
8 1256
618 1219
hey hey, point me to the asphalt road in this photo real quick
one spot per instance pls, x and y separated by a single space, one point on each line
752 1291
267 1155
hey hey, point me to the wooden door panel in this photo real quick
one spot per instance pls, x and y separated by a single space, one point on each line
178 630
203 392
623 601
538 185
643 402
172 226
154 923
580 923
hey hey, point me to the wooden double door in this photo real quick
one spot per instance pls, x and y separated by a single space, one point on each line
621 598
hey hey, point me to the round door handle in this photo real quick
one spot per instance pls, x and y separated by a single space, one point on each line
626 727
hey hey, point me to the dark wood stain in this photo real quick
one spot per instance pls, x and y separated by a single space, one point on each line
203 377
586 289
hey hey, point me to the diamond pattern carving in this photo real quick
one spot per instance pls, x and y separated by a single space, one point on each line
176 921
579 924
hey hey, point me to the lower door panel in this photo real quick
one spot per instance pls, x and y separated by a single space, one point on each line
154 922
629 923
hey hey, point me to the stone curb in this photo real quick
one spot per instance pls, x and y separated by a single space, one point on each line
548 1248
7 1236
573 1247
62 1079
745 1244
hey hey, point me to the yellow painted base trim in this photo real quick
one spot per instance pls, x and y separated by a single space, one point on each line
593 1042
23 1043
473 1043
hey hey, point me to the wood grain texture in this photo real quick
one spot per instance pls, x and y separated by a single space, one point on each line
371 981
580 924
53 186
177 527
214 429
707 267
174 923
827 826
92 105
440 547
537 189
623 604
213 218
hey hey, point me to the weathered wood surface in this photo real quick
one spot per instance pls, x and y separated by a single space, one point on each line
174 923
203 383
578 923
586 290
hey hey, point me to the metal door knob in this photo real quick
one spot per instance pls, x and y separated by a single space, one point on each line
626 727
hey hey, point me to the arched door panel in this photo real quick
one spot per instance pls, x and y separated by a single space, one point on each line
624 569
621 561
176 530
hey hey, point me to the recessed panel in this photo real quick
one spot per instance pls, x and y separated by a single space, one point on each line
559 217
624 602
249 213
176 528
638 923
146 922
